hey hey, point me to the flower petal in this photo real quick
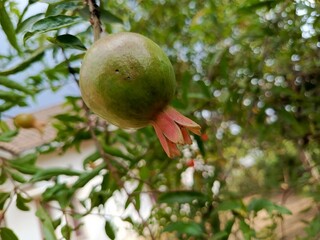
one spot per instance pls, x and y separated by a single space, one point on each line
169 128
174 151
186 136
169 147
183 121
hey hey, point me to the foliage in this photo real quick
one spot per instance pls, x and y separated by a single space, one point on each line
247 71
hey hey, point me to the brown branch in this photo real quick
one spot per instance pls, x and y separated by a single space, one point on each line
95 18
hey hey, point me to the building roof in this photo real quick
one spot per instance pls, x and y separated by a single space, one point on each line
31 138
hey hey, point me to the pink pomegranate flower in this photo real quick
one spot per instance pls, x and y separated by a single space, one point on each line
172 128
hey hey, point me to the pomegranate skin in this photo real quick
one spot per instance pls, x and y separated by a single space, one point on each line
127 79
25 120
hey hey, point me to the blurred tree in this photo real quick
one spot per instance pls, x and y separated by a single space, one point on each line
247 71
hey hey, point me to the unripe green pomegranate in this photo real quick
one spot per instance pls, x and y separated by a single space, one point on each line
28 120
24 120
128 80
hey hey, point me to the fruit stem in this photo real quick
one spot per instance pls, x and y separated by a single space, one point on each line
95 18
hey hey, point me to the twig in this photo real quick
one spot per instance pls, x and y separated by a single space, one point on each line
95 18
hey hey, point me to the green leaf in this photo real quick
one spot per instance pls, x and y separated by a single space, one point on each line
4 127
3 176
137 199
181 197
8 135
64 197
56 222
51 192
105 185
3 198
230 205
98 198
10 96
60 7
4 81
26 24
21 203
46 174
24 168
5 106
47 226
7 26
54 22
7 234
312 229
24 164
59 192
257 5
189 228
86 177
248 233
215 221
223 235
109 230
91 158
29 159
51 23
129 219
107 17
67 41
17 177
116 152
144 173
200 144
66 231
257 205
128 202
229 225
35 56
66 117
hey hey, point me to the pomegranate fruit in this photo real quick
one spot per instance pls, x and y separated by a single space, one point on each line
129 81
27 120
24 120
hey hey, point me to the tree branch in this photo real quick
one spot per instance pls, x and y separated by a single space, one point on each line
95 18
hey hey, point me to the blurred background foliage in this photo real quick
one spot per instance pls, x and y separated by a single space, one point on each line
247 71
